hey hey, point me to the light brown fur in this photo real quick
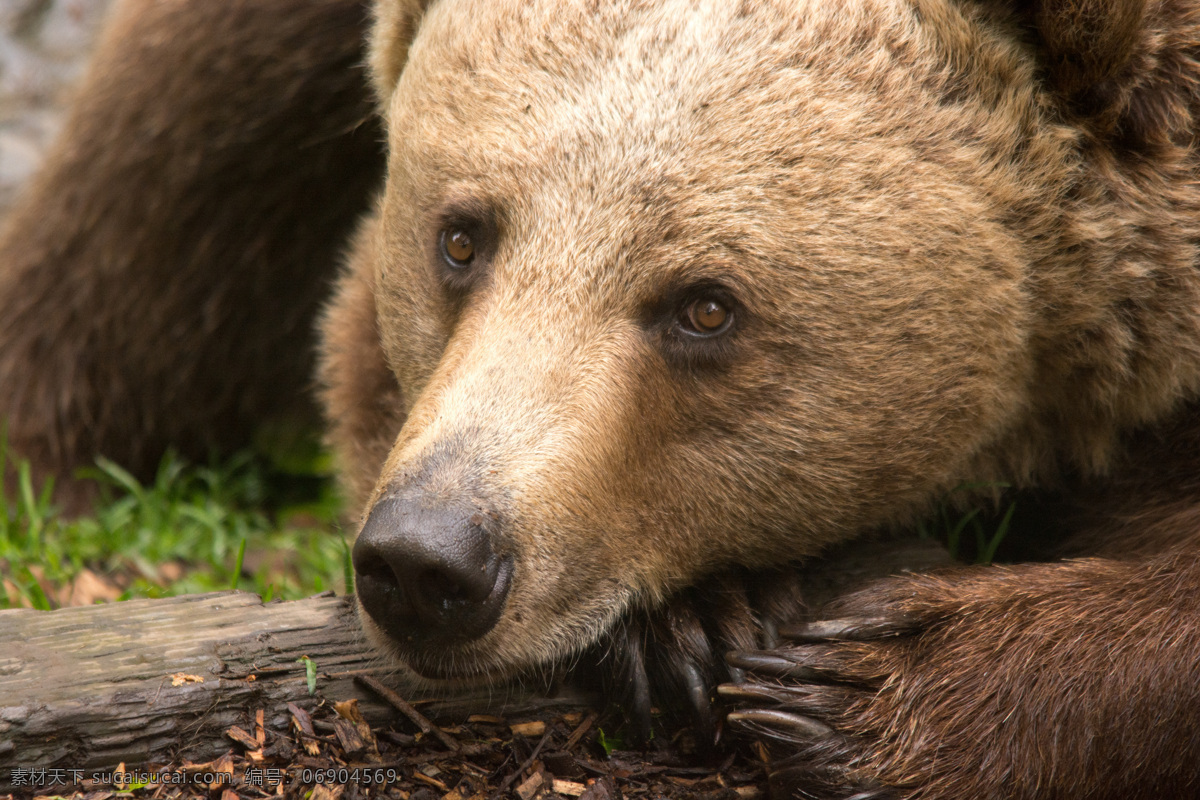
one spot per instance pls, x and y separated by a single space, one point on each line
963 256
974 283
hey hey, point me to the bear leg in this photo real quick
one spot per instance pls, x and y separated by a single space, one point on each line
1075 679
159 278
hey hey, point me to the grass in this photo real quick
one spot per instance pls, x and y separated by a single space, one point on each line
973 535
192 529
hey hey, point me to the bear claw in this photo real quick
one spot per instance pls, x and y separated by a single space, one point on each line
783 721
798 697
816 662
670 656
817 772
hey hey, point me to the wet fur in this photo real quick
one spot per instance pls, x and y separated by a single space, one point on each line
964 235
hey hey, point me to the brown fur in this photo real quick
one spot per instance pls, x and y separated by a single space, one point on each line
959 239
1060 249
1072 680
161 274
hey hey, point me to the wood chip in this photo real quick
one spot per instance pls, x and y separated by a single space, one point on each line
243 738
324 792
600 790
535 728
349 710
569 788
486 719
531 787
221 767
350 740
301 720
679 781
303 723
578 733
181 678
513 775
431 781
748 792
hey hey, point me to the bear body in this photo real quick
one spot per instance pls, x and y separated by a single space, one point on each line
658 299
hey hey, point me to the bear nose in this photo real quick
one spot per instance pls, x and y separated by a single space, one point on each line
428 576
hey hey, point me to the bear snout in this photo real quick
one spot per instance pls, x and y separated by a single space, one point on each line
427 574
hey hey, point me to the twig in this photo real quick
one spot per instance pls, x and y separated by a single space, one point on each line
578 733
507 782
401 705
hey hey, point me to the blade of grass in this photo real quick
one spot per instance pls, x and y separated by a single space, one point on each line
989 553
237 567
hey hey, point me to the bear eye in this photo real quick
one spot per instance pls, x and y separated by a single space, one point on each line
695 325
707 316
457 247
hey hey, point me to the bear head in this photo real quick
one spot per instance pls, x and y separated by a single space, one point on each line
656 288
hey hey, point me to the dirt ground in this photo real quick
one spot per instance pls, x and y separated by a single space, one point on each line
333 754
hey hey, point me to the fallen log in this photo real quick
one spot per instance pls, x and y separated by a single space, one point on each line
151 681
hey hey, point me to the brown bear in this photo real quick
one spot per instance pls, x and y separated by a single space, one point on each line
657 299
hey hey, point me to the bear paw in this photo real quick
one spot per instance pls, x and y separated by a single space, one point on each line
1018 682
671 657
857 707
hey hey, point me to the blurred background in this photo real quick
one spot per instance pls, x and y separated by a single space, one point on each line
43 49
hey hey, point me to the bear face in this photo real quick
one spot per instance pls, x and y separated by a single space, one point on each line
867 203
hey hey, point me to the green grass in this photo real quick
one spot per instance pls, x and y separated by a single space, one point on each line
192 529
973 535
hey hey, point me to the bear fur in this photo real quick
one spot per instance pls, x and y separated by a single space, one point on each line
954 242
162 271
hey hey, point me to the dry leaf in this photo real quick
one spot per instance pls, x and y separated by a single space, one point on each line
180 678
87 589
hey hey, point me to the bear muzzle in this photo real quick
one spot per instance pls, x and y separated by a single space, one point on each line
428 576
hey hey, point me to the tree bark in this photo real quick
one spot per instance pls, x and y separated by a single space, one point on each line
151 681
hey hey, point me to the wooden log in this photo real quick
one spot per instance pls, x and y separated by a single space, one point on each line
148 681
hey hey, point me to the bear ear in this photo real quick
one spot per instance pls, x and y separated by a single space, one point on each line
394 26
1087 43
1127 68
